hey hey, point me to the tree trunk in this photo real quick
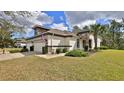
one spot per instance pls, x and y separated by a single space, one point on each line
3 48
113 37
87 41
3 51
95 41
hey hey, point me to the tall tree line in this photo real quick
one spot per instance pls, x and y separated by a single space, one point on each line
112 34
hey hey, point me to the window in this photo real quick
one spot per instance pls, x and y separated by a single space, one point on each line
78 43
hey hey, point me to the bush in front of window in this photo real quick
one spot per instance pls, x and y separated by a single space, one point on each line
58 50
77 53
64 50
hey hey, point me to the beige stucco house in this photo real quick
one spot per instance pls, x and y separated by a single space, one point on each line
53 39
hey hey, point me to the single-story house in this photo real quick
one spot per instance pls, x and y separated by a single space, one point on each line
51 39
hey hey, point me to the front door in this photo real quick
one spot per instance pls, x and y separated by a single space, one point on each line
84 43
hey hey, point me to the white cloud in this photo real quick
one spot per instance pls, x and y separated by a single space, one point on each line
61 18
83 17
117 19
40 18
86 23
44 18
29 32
59 26
37 17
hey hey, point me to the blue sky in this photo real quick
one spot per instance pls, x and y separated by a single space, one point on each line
102 21
58 17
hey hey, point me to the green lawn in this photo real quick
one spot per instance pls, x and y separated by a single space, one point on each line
104 65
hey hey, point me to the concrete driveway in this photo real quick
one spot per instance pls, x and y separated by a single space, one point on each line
9 56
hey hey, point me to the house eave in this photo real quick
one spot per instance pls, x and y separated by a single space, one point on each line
83 32
50 34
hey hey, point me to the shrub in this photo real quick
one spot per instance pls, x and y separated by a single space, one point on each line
76 53
103 47
14 51
24 49
58 51
64 50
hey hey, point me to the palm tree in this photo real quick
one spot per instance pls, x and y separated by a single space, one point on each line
95 28
114 28
103 33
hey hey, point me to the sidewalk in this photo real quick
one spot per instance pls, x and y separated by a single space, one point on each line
48 56
10 56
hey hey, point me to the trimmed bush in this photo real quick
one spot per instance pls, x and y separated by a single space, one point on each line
58 51
77 53
103 47
64 50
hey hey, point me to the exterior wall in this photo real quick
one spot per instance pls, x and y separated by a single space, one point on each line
55 40
93 44
72 41
60 41
38 47
37 43
81 44
91 37
99 42
28 45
